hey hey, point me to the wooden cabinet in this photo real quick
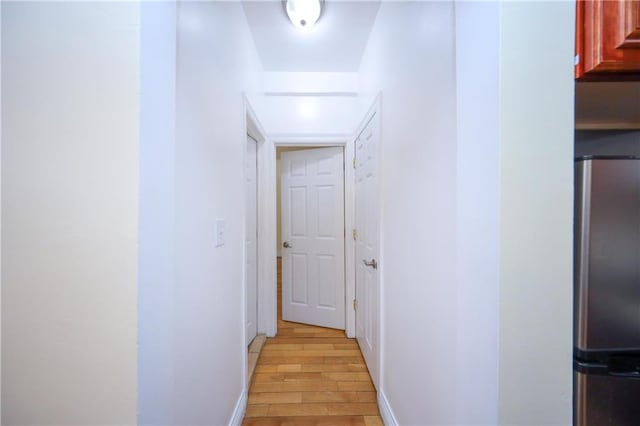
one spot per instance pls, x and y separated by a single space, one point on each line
608 40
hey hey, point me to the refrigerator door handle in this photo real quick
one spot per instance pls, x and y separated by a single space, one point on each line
625 374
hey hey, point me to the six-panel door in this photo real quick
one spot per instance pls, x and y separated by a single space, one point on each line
313 237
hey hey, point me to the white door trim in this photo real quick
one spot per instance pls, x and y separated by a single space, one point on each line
319 140
266 318
267 238
251 126
251 237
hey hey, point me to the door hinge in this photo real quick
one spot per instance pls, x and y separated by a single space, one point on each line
354 162
355 234
355 305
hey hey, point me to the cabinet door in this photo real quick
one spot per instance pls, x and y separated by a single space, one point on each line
630 25
608 39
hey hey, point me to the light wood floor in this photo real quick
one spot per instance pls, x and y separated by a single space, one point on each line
310 375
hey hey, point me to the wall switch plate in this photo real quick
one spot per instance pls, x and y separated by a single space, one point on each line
219 232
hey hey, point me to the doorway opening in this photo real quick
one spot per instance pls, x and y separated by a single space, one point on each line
310 236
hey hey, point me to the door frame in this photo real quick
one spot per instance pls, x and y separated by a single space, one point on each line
251 131
267 308
253 128
349 212
267 238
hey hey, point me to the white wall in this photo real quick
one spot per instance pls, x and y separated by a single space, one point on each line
410 57
477 203
156 252
536 213
477 195
70 209
216 62
310 103
305 115
311 82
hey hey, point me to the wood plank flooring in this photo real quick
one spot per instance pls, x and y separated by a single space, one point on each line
310 375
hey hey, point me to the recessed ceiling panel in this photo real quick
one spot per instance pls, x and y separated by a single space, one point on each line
335 43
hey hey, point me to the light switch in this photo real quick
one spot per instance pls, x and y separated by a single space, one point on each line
219 232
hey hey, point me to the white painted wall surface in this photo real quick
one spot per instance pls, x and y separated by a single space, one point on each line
70 211
156 252
536 212
310 103
476 305
311 82
477 202
216 62
410 58
309 115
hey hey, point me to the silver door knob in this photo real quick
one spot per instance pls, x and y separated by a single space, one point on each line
373 263
286 244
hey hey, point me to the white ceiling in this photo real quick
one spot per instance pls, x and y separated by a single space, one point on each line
336 42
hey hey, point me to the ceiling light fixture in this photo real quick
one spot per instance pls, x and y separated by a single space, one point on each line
303 13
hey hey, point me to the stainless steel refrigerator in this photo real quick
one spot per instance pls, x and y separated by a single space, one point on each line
607 291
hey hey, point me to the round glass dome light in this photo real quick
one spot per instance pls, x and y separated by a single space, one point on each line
303 13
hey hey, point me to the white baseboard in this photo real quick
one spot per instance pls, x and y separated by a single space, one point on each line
239 410
385 410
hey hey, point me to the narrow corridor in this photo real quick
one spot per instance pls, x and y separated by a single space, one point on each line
310 375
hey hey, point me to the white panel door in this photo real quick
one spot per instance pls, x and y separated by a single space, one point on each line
251 238
367 245
313 237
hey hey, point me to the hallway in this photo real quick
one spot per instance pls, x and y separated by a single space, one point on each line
310 375
124 226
